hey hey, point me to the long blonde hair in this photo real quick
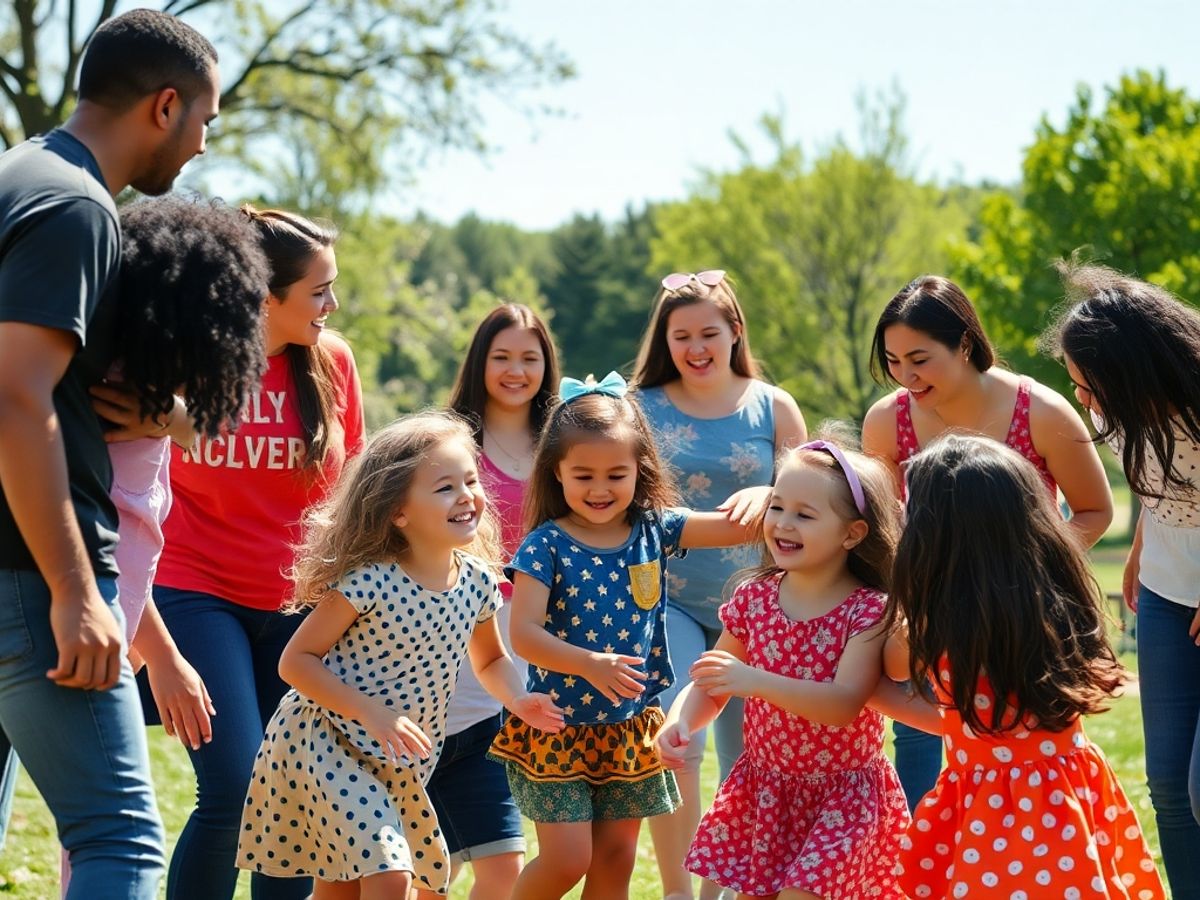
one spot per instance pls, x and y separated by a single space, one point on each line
354 528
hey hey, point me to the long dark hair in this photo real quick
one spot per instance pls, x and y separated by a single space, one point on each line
469 395
654 365
290 242
587 418
993 584
935 306
870 560
1138 348
189 313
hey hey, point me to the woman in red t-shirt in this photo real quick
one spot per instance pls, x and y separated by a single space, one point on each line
238 502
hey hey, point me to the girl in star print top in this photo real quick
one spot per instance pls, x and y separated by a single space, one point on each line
812 807
588 614
993 593
399 597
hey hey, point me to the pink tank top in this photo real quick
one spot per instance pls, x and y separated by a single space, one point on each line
1018 436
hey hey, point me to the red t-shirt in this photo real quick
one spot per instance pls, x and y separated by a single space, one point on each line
240 498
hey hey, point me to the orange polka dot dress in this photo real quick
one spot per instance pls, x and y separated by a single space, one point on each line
1026 815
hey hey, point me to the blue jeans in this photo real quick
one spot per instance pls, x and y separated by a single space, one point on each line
686 640
1169 676
236 650
918 761
84 750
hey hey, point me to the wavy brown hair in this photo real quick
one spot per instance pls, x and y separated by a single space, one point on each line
290 242
870 560
990 579
469 396
354 528
596 417
654 365
1138 347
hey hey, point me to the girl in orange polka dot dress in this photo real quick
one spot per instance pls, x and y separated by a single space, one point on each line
993 598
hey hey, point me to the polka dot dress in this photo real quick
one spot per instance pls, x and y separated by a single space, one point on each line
806 806
323 800
1025 815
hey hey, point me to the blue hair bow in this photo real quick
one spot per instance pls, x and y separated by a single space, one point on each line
612 385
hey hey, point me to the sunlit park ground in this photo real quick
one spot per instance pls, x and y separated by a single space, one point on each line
29 862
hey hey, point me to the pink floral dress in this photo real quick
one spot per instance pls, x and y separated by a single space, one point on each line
1018 437
806 806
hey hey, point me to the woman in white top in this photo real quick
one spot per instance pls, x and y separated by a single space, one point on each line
1133 352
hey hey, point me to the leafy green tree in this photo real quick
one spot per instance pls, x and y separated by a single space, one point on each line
321 96
815 249
1117 183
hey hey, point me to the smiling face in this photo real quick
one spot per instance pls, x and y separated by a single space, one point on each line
928 368
804 527
700 341
514 369
185 139
445 500
598 478
299 316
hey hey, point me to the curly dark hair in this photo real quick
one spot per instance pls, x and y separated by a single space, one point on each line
1138 348
192 285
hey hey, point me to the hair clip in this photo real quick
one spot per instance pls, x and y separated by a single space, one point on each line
612 385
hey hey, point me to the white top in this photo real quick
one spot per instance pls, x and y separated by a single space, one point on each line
1170 562
471 703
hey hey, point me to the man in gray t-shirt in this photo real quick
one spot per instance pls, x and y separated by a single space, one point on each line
148 87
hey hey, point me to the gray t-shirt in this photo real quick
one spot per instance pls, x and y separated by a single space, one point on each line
60 245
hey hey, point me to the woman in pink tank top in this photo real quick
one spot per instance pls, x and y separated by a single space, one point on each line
929 342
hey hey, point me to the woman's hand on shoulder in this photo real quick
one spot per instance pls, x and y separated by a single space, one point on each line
398 735
538 710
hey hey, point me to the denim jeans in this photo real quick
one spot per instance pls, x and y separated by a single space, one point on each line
918 761
236 650
85 751
686 640
1169 677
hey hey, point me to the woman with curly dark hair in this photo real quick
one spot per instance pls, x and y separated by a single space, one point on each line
1133 352
240 496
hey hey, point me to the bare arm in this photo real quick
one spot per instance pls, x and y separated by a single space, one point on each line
692 710
179 693
1061 438
302 666
879 437
790 430
119 405
717 529
496 672
614 675
836 702
911 708
33 471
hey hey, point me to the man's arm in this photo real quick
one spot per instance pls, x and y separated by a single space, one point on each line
33 472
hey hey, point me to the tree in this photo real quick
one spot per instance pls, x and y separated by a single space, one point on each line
321 95
1117 185
816 249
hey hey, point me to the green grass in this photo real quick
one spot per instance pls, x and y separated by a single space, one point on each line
29 861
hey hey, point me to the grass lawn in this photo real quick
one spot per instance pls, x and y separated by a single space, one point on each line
29 861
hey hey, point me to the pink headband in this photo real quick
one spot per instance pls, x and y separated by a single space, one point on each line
856 490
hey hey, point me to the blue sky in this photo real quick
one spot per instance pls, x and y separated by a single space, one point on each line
661 82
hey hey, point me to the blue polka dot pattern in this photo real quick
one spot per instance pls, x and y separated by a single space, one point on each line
323 799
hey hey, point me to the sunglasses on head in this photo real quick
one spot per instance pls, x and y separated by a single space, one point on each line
676 280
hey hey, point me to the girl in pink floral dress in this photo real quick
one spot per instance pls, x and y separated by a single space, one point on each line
812 808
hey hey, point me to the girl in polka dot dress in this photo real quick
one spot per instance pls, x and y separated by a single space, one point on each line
588 613
395 569
993 594
812 808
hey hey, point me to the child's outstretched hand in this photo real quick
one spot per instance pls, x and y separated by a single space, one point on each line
398 735
672 744
614 675
746 505
719 674
538 710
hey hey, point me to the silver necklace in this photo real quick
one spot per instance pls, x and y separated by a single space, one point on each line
519 463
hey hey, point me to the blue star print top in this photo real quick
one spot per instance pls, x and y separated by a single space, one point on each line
610 600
